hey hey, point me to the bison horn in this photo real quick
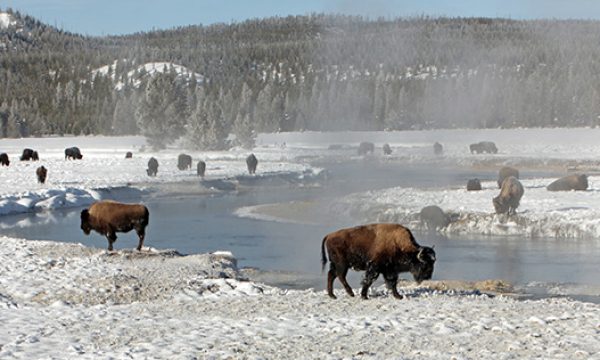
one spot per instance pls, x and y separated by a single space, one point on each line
420 255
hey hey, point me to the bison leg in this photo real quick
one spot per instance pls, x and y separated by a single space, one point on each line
112 237
370 276
391 280
330 278
141 234
342 276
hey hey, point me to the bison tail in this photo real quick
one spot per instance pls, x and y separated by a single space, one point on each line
323 256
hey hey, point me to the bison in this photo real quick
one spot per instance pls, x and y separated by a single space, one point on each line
434 217
152 167
438 149
483 147
366 147
184 161
473 185
570 182
41 173
201 168
128 155
510 195
109 217
4 159
505 172
388 249
251 162
29 154
387 150
73 153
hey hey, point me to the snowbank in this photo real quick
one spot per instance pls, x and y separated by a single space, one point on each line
63 300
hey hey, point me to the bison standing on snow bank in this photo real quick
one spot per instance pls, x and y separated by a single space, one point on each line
201 168
570 182
73 153
387 150
433 217
483 147
184 161
152 167
29 154
438 149
41 173
4 159
366 147
109 217
387 249
510 196
473 185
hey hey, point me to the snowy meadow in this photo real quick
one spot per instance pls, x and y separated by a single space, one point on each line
60 300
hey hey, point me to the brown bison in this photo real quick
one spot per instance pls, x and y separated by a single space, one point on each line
251 162
433 217
152 167
505 172
388 249
128 155
387 150
483 147
41 173
73 153
510 195
473 185
4 159
184 161
201 168
109 217
570 182
366 147
438 149
29 154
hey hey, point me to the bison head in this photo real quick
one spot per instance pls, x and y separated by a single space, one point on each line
85 222
423 268
500 205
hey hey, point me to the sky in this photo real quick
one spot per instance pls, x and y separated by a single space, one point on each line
118 17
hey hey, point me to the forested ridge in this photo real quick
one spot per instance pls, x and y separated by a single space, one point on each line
314 72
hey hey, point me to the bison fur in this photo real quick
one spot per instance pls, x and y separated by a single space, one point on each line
4 159
152 167
387 249
184 161
505 172
251 163
570 182
73 153
41 174
109 217
510 196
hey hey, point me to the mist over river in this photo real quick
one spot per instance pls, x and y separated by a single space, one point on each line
185 218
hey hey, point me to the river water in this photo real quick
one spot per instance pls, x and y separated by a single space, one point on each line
288 254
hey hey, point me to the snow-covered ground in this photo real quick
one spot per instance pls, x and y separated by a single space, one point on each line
62 300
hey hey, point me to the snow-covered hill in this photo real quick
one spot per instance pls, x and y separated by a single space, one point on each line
135 76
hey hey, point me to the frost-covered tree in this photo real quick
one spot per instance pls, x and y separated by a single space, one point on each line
244 132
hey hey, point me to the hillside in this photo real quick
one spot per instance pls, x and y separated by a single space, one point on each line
316 72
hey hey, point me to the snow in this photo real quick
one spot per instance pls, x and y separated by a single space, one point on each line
149 69
6 20
60 300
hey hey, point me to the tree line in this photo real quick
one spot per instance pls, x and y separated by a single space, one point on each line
315 72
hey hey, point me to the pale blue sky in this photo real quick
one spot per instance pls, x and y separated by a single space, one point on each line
104 17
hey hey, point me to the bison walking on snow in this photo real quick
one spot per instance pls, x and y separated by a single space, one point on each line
29 154
152 167
387 150
387 249
109 217
41 173
4 159
483 147
73 153
184 161
201 168
510 196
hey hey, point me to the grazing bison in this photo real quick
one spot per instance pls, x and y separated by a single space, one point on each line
510 195
251 162
434 217
387 150
505 172
473 185
184 161
4 159
152 167
73 153
438 149
109 217
128 155
570 182
366 147
29 154
201 168
388 249
483 147
41 173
